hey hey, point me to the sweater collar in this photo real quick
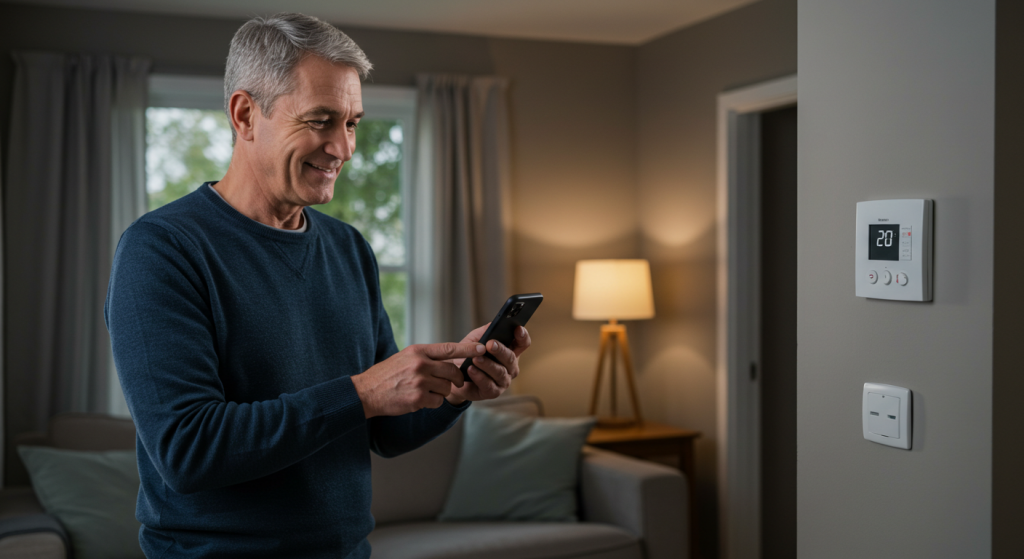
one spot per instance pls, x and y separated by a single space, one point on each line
255 227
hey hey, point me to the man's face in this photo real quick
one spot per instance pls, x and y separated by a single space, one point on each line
312 133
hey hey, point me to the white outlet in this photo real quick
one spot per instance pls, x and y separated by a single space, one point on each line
886 413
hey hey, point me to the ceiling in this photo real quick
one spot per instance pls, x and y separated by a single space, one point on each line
624 22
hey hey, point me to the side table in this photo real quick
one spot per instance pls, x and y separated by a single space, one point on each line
650 440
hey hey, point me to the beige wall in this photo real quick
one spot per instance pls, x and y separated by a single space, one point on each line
574 179
679 78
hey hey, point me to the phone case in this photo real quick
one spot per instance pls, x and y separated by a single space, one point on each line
516 312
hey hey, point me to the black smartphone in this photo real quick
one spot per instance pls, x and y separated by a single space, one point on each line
516 311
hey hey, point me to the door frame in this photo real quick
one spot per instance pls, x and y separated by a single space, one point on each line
739 311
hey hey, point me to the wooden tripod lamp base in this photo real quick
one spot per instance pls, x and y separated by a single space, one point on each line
614 290
613 340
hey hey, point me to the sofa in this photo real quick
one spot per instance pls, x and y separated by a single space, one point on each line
628 508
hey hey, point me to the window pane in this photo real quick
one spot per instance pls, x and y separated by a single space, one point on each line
368 192
392 288
185 148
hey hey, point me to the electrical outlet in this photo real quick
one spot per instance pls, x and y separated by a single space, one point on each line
886 414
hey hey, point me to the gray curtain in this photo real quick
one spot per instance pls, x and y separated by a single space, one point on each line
464 122
75 181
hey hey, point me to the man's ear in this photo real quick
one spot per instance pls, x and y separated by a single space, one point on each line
242 110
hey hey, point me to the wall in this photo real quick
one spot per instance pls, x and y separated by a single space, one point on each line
679 77
574 199
896 101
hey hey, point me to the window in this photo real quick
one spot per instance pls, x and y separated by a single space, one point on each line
189 142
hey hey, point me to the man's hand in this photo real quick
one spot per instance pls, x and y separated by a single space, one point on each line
419 376
490 379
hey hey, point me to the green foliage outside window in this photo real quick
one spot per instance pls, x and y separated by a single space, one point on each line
187 147
368 192
184 149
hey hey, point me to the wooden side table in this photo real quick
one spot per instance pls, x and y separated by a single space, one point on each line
650 440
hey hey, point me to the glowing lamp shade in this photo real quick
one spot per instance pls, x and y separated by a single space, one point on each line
613 290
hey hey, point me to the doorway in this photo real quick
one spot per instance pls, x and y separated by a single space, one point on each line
777 369
740 331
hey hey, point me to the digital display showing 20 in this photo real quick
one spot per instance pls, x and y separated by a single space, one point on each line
883 242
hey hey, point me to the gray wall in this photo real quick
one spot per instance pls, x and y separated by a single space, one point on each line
679 77
897 100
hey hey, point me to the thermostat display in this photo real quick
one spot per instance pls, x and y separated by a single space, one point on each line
883 244
894 250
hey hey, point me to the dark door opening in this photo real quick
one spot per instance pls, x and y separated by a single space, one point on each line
778 332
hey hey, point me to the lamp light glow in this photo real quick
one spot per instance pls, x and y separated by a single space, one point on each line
613 290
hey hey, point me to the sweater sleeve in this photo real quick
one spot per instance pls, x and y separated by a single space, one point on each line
163 338
391 436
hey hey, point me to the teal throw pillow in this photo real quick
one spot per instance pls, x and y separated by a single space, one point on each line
516 467
93 494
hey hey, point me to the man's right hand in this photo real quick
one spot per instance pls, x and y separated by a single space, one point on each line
415 378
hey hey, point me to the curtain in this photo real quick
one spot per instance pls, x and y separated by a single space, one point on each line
75 181
464 158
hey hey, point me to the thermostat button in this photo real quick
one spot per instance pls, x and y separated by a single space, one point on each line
886 277
901 278
872 276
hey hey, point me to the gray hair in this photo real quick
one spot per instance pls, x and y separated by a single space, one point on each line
265 51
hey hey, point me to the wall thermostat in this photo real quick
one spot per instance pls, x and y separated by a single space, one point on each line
894 250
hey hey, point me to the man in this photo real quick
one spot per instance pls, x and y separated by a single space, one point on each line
249 334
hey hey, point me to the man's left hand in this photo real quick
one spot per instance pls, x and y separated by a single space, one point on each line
490 378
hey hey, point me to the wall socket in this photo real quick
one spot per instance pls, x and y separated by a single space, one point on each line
886 413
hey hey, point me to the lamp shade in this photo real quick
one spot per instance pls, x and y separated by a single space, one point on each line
612 289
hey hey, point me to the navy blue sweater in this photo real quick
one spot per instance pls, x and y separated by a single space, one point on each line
235 344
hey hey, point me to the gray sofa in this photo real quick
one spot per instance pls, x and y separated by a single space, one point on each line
629 509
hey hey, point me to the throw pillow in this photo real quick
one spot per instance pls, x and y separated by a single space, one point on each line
93 494
516 467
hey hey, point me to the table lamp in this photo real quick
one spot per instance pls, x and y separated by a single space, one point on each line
613 290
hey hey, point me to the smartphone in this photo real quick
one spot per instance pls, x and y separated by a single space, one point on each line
516 311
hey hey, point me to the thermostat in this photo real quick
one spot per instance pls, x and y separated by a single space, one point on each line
894 250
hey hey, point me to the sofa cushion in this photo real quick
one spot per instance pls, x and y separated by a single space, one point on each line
503 540
414 486
515 467
93 494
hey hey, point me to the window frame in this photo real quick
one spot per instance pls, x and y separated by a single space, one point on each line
379 101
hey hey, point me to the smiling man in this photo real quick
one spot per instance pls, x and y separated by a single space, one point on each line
249 333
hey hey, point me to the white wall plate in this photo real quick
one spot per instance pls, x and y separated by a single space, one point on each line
887 412
894 250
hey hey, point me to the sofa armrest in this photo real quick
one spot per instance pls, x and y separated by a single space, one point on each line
644 498
37 536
